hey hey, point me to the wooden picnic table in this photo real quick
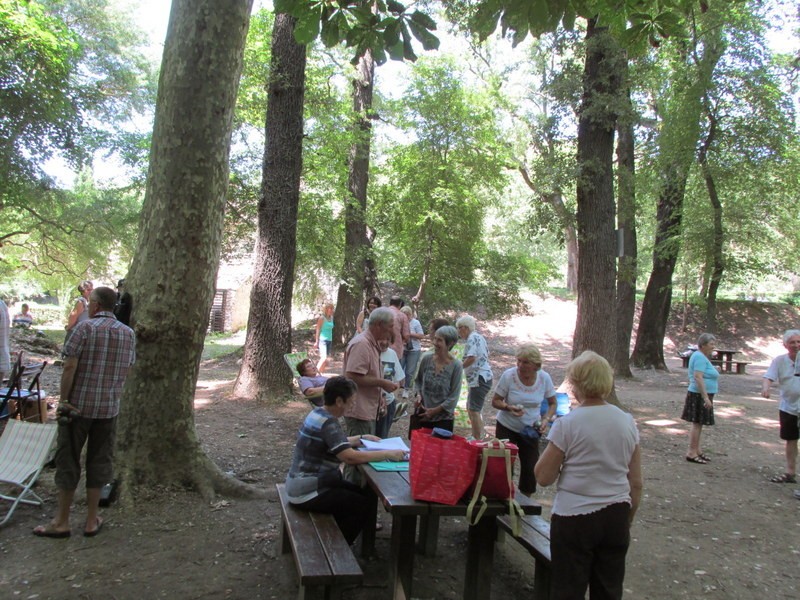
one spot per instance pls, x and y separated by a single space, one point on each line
393 489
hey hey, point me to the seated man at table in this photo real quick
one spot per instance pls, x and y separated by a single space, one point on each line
315 482
311 382
23 319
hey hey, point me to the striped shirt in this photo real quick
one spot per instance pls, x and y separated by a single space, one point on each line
105 349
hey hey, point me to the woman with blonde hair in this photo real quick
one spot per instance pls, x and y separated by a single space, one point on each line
518 398
323 337
594 457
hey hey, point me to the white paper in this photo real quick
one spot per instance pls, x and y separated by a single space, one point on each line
393 443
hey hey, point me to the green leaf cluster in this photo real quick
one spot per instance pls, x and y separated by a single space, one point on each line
385 29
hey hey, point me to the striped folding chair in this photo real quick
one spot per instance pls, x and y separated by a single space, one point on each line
25 448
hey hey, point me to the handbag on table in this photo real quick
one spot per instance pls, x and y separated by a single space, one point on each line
441 470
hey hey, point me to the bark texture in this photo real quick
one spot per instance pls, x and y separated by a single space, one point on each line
173 272
626 221
595 328
716 263
269 328
358 278
677 142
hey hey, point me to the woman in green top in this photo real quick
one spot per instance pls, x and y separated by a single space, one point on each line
324 337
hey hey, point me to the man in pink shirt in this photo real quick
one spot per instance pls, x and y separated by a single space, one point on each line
402 332
362 364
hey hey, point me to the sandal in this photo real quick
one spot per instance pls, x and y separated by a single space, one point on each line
699 460
704 457
784 478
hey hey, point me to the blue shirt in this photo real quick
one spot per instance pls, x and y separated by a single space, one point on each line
700 362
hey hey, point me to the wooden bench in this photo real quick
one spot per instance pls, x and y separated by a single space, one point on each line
323 558
534 536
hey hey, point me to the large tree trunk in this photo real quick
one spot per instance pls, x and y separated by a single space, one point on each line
679 135
269 326
717 263
595 328
173 272
358 269
626 221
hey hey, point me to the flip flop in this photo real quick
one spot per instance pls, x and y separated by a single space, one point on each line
698 460
45 532
704 457
96 530
784 478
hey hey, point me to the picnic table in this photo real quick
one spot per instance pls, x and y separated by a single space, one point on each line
721 357
393 489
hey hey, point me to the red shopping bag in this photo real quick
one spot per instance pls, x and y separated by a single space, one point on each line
493 477
441 470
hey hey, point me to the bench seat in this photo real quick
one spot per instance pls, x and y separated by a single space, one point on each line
534 536
323 558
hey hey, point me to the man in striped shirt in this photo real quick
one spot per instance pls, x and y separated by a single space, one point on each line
98 356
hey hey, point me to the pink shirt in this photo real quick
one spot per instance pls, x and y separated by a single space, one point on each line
362 357
401 331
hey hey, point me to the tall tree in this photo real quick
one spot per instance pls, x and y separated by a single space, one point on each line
626 222
173 272
680 132
357 276
600 106
269 330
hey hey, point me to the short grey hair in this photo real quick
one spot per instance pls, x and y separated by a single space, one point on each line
468 322
705 338
790 333
408 311
381 316
448 333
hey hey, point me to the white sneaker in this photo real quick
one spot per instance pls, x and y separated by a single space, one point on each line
797 494
405 394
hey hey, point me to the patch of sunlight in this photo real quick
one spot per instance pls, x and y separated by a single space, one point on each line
661 422
211 384
201 402
766 422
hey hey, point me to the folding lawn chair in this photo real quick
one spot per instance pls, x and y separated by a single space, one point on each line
292 360
25 448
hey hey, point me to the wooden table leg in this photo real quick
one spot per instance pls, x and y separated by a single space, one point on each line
428 535
401 562
368 535
480 556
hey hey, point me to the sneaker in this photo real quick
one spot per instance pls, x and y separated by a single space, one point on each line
405 394
797 494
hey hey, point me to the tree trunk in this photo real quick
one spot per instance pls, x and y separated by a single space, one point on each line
556 200
173 272
595 328
679 135
626 221
717 264
269 326
358 268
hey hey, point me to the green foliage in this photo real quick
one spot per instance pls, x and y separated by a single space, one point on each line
376 26
71 76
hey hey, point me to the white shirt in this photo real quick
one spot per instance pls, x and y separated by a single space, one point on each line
598 443
781 370
511 389
391 370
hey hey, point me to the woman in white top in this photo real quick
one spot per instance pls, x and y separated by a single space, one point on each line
594 455
518 397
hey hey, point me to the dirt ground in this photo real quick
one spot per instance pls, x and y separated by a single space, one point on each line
716 531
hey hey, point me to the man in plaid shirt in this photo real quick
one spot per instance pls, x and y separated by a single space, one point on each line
98 356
